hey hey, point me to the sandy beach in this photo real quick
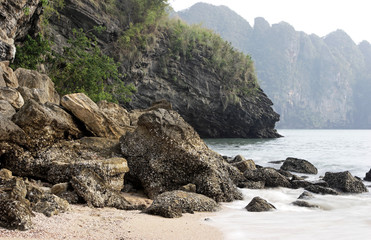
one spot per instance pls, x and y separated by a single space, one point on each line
83 222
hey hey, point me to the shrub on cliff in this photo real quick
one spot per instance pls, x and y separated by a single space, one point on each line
83 67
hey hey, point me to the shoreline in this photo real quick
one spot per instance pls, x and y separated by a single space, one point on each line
82 222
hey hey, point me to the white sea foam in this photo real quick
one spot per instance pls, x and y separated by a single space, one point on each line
338 217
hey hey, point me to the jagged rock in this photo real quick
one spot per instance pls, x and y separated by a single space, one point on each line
94 119
259 204
270 176
306 195
164 153
15 210
173 204
59 162
299 165
15 214
6 109
368 176
304 204
16 23
285 173
7 76
10 132
97 193
50 205
321 190
46 123
12 96
43 201
345 182
40 85
244 165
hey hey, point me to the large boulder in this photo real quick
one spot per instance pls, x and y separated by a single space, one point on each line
41 88
345 182
270 176
10 132
259 204
368 176
173 204
65 159
12 96
7 76
95 120
165 153
97 193
46 123
299 165
6 109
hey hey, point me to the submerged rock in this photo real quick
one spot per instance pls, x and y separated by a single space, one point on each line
173 204
299 165
259 204
321 190
345 182
306 195
165 153
304 204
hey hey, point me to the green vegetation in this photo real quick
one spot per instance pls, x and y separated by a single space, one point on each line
33 52
84 68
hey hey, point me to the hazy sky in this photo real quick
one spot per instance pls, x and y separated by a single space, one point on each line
311 16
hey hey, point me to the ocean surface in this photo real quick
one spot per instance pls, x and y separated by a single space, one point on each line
339 217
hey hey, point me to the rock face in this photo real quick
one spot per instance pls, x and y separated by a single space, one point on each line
259 204
368 176
299 165
165 153
198 95
314 82
16 23
345 182
173 204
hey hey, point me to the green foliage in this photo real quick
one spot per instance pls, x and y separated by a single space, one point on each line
51 8
84 68
33 52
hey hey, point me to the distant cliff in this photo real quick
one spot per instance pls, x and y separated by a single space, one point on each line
313 82
212 85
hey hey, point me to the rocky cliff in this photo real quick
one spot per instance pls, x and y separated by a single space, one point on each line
313 82
196 90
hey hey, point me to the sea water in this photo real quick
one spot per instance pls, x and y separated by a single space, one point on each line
339 217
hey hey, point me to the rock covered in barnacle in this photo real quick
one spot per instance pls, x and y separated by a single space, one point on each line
165 152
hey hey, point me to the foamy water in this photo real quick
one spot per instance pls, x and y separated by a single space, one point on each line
340 217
